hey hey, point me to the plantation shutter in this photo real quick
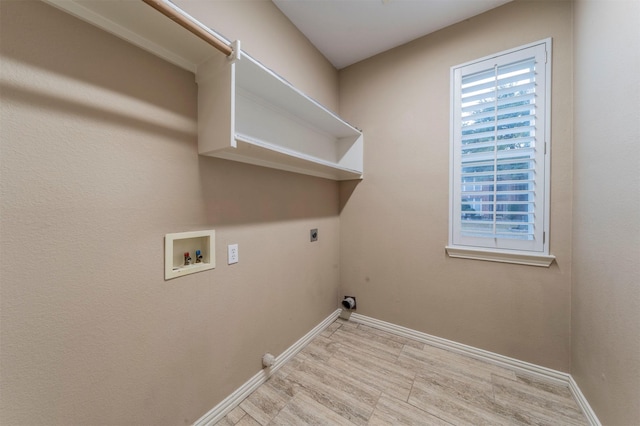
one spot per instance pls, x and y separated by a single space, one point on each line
499 113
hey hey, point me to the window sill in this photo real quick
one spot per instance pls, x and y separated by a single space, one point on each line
501 256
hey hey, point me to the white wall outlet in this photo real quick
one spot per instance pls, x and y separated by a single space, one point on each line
233 253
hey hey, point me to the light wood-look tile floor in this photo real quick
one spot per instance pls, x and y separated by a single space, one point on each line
352 374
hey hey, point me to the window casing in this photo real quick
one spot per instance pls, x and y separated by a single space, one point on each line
500 151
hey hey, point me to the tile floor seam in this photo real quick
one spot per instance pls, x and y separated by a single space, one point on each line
444 387
279 411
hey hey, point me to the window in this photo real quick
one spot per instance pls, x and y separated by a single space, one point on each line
499 187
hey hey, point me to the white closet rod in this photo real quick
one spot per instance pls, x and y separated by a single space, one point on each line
181 18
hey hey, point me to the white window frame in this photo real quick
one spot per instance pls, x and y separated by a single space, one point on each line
529 252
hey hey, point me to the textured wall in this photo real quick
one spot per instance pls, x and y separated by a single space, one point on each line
606 231
98 162
395 223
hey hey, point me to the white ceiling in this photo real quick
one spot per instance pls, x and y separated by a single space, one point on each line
348 31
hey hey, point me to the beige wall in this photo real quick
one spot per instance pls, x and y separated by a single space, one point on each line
394 227
606 232
98 162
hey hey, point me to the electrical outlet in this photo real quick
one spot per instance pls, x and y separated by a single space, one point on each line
232 253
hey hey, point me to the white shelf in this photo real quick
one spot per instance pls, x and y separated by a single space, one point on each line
246 112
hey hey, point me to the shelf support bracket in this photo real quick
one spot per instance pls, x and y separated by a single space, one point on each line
236 52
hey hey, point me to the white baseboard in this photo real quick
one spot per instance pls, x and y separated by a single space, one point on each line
532 370
583 403
536 371
229 403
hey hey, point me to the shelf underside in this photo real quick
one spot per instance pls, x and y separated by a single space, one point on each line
143 26
263 154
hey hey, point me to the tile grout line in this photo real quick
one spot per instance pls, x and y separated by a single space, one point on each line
532 370
329 352
218 412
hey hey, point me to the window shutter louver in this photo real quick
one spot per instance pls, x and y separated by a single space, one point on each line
498 186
